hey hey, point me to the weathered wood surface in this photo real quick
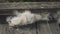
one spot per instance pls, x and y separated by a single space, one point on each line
30 29
11 11
30 5
54 28
48 28
42 28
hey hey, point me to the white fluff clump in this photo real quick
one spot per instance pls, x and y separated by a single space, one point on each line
24 18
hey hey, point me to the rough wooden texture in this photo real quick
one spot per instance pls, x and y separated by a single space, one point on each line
48 28
30 5
54 28
4 29
43 28
28 29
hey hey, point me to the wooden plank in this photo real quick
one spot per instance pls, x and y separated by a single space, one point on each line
29 29
54 28
1 29
43 28
30 5
11 11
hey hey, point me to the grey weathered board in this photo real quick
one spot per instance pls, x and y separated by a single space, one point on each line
4 29
48 28
42 28
54 28
30 5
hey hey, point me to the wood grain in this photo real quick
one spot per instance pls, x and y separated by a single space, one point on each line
30 5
